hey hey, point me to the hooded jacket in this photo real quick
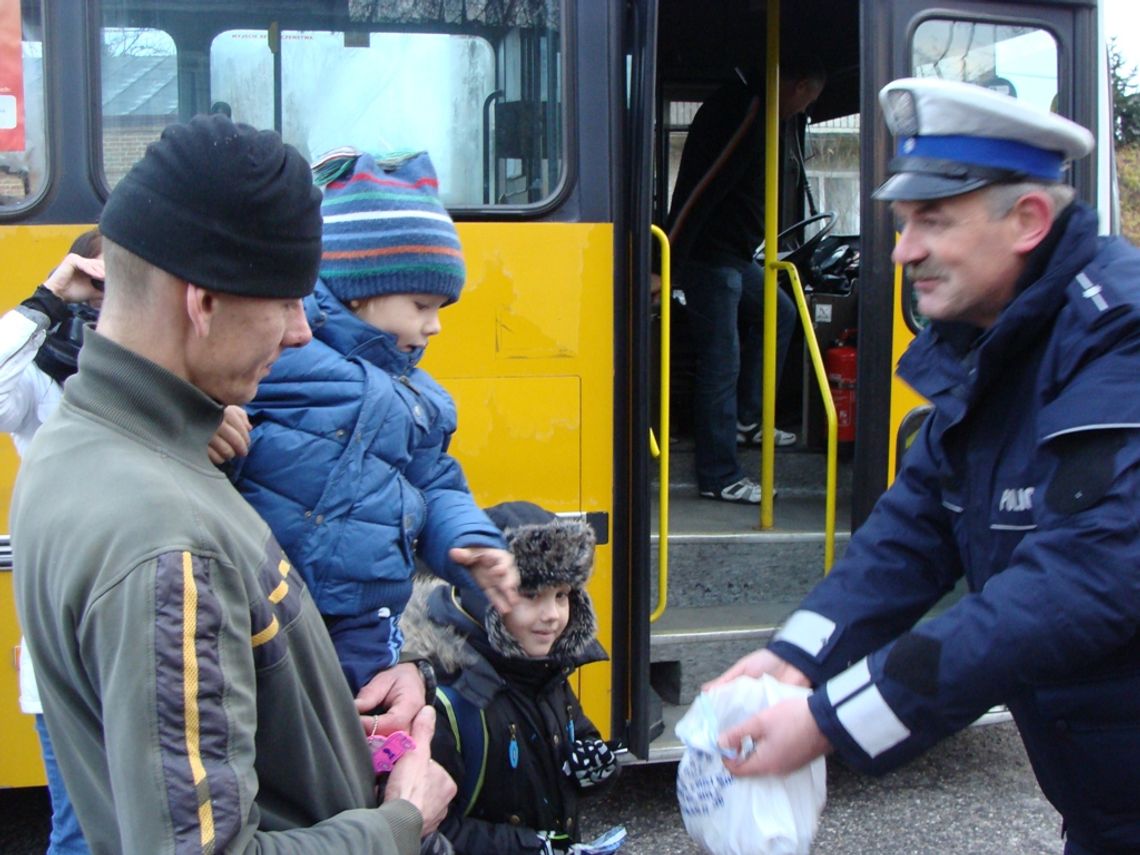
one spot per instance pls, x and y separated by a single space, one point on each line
525 701
349 466
1025 479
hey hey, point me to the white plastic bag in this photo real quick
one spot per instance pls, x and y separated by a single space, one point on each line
727 815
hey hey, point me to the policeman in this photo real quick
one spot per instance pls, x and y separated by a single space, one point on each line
1025 479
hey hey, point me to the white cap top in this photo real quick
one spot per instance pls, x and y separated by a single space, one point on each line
955 137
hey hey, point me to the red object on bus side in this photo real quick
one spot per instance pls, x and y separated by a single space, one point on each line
839 363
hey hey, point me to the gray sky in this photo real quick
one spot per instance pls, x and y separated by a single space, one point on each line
1122 20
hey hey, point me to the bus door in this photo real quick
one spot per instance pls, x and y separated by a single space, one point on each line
730 582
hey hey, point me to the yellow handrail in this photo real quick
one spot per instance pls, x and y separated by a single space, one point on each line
661 449
828 407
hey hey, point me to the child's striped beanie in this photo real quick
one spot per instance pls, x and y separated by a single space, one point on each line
385 229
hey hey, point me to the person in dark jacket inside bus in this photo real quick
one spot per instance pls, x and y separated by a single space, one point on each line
1025 480
715 225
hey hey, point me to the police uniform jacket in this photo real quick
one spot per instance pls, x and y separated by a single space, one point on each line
1024 480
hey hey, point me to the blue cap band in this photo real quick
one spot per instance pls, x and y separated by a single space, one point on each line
988 152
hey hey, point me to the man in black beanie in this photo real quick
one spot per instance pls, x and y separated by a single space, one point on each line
194 697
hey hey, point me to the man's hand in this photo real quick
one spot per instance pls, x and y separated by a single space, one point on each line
419 779
494 571
400 691
785 738
232 436
757 664
72 280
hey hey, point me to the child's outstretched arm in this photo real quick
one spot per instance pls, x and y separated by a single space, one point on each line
493 570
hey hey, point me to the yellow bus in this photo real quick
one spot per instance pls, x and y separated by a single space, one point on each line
555 127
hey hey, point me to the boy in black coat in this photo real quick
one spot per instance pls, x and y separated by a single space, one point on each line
509 729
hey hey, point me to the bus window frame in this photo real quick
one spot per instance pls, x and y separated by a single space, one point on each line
570 132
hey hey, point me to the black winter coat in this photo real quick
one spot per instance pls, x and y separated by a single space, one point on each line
527 701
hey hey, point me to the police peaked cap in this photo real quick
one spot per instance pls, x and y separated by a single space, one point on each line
955 137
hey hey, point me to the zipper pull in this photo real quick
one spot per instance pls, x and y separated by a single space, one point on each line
570 723
514 748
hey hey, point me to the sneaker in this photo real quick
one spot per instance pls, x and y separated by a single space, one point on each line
750 435
745 491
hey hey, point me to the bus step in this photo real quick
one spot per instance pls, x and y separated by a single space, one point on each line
747 567
689 646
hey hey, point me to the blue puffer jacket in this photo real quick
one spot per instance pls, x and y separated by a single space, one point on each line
1026 480
349 466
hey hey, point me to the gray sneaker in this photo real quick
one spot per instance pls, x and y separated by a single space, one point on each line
744 492
750 435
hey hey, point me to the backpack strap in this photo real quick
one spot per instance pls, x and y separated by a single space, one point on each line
469 728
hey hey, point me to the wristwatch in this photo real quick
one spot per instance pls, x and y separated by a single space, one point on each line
430 682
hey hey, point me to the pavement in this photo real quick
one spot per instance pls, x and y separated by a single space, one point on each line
974 794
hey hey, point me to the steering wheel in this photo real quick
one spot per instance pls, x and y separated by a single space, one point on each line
800 254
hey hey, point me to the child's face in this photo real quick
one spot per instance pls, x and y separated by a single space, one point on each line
538 618
411 318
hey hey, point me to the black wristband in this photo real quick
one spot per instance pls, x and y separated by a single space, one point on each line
430 682
49 303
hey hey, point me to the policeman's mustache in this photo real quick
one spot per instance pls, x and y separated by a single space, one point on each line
926 269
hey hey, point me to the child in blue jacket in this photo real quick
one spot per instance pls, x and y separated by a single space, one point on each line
348 459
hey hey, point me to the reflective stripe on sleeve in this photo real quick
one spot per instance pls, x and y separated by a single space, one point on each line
808 631
863 712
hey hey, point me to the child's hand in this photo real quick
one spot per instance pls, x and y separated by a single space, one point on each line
494 571
231 439
591 762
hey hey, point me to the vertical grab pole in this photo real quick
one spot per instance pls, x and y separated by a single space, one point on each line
661 450
771 215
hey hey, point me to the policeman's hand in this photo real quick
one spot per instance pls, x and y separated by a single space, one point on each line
72 280
419 779
400 691
784 738
590 762
494 571
231 439
757 664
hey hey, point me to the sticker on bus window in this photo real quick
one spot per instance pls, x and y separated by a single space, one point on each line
11 78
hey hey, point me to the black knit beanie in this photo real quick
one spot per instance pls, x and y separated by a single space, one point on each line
225 206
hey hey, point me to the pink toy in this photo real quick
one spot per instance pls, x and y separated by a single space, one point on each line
386 750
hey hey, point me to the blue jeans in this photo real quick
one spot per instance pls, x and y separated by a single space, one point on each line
725 300
66 836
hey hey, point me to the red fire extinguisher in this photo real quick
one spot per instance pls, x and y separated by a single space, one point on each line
839 363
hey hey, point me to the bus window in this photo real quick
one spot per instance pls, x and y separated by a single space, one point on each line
367 93
140 94
831 161
1015 60
492 76
23 162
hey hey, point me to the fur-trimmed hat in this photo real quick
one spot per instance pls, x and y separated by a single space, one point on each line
385 229
224 206
549 551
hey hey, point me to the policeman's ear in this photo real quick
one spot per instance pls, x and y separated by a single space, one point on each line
200 307
1032 217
